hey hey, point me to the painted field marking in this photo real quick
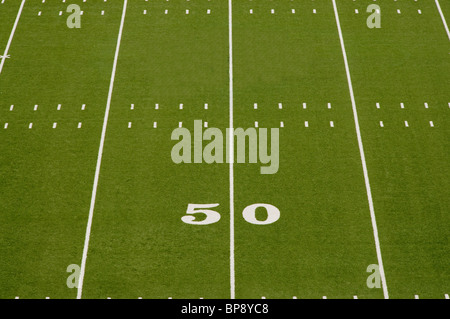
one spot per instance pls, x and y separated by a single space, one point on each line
100 154
443 18
231 146
11 36
362 155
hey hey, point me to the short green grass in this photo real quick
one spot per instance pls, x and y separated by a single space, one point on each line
139 247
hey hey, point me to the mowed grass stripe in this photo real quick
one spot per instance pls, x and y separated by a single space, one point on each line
405 61
363 157
47 172
323 242
139 245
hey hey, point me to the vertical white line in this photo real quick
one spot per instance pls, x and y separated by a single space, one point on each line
443 18
11 35
363 158
99 158
231 152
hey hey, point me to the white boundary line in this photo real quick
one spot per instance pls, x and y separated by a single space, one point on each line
99 158
231 153
11 36
443 18
363 158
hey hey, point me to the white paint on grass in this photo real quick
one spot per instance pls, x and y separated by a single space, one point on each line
362 155
99 157
11 36
443 18
231 152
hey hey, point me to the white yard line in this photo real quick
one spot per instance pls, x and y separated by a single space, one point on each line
5 54
443 18
231 152
99 158
363 158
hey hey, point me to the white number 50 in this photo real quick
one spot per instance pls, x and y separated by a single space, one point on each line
211 215
249 214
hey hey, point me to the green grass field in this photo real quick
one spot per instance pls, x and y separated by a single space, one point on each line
57 83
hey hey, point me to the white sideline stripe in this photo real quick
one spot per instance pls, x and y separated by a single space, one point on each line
443 18
363 158
11 36
231 152
99 158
